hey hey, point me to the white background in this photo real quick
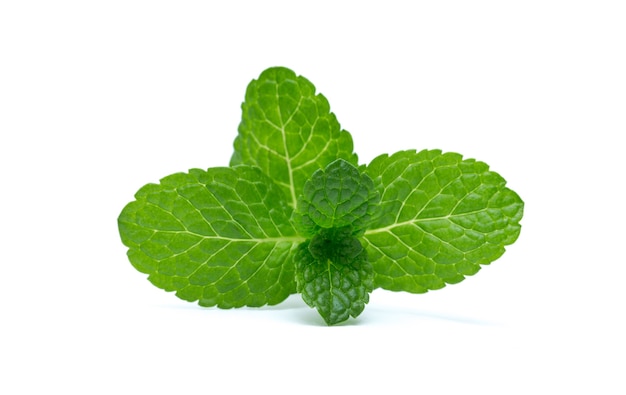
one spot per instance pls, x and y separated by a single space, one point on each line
100 98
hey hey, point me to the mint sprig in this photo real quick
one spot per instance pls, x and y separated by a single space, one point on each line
294 212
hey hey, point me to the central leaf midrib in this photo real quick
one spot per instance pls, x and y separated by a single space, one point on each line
287 239
283 124
420 220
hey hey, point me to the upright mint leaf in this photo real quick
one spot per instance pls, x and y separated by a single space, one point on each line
442 217
221 237
335 197
337 284
288 131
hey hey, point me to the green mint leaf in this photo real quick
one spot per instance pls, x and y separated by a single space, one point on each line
335 281
441 218
220 237
336 197
288 131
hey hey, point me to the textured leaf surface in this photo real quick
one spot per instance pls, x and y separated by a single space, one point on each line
337 288
442 217
288 131
220 237
336 197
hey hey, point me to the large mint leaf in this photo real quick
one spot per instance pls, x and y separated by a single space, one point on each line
442 217
221 237
336 197
336 282
288 131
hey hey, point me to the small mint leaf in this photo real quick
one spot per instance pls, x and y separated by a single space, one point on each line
337 284
442 218
288 131
220 237
338 196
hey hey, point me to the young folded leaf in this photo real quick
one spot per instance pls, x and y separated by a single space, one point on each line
332 270
335 197
337 287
